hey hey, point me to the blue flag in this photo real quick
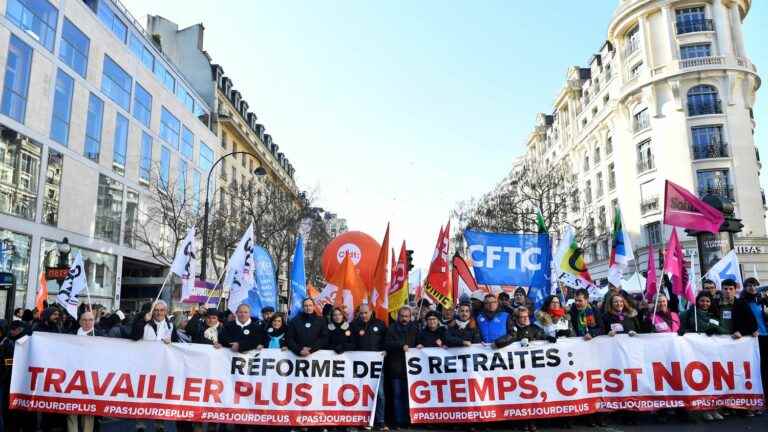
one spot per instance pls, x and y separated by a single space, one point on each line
298 279
264 291
512 259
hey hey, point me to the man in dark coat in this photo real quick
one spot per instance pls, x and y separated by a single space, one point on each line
306 332
18 420
50 321
433 334
401 336
212 332
463 330
244 333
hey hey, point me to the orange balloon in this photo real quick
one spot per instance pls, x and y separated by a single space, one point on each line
363 250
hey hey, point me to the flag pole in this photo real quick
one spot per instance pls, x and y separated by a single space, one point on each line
695 314
162 287
214 289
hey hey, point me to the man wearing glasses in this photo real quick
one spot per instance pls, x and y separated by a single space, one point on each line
492 322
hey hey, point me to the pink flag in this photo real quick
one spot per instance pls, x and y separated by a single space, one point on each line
650 279
690 288
674 264
684 209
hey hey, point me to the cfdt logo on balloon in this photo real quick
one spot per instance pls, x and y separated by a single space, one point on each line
353 250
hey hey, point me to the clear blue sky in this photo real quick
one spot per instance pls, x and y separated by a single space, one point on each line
396 110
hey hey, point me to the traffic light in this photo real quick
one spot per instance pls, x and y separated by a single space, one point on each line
409 259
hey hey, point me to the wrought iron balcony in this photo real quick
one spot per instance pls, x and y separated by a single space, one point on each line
697 25
704 107
725 192
714 149
649 204
645 164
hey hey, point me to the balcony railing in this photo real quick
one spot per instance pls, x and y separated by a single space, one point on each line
713 149
701 61
698 108
649 204
632 46
640 123
725 192
697 25
645 164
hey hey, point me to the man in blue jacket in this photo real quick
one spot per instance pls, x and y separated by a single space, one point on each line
492 322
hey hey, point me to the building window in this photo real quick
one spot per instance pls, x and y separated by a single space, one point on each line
52 192
695 51
611 177
586 163
116 83
181 182
74 48
692 19
599 184
653 234
165 166
165 77
715 182
185 98
641 120
187 143
62 107
16 82
597 155
195 190
37 18
93 127
113 23
109 209
141 51
609 145
169 128
632 41
19 173
649 198
120 145
708 142
703 99
131 217
145 165
634 72
206 158
588 192
142 105
644 157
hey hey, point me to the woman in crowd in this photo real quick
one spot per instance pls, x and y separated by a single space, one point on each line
243 334
275 338
339 333
433 334
664 320
553 319
620 317
211 332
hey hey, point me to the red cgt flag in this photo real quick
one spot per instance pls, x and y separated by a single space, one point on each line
684 209
438 286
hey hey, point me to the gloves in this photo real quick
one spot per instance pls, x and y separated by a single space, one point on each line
339 349
551 339
710 331
524 342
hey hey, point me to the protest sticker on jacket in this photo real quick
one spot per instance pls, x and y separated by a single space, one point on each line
151 380
576 377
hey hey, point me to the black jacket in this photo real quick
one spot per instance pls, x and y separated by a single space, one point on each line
428 338
247 338
629 323
279 335
45 325
515 333
368 336
456 336
340 338
306 330
399 335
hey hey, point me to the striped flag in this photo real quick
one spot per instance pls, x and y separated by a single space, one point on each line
621 251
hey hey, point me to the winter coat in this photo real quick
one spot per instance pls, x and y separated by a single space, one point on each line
199 337
708 323
628 321
247 338
428 338
45 325
660 325
492 327
368 336
306 330
340 338
275 338
456 336
559 328
137 329
589 321
516 333
399 335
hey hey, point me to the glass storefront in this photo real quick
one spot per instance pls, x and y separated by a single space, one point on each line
15 259
100 271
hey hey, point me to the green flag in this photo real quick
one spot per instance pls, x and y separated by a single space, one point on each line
540 222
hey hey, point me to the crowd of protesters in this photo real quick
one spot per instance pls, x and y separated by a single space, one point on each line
494 320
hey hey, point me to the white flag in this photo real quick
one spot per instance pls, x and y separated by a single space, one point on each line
239 277
73 285
726 268
185 263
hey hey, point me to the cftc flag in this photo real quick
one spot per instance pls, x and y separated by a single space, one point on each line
185 263
73 285
239 277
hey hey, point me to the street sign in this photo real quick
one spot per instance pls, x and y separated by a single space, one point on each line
56 273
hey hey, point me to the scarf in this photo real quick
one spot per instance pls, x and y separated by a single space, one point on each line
557 312
212 334
666 317
81 332
462 324
244 325
275 335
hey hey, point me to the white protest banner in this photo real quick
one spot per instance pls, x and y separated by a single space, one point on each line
122 378
576 377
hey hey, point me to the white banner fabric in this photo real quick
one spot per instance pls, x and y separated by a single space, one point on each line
151 380
575 377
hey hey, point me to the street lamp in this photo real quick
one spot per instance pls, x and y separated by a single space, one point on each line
260 171
64 249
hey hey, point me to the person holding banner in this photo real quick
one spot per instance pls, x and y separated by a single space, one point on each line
20 420
492 322
368 333
710 287
339 334
520 329
243 334
433 334
463 330
703 320
154 325
585 319
734 314
211 332
307 332
87 322
620 317
664 320
757 303
401 336
553 318
275 332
